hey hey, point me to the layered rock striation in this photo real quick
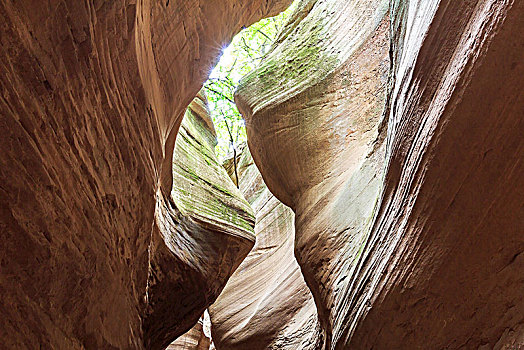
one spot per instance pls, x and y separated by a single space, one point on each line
266 303
206 225
197 338
320 141
394 132
92 97
391 128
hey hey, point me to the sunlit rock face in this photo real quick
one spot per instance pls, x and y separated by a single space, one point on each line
92 97
394 132
209 228
319 142
197 338
266 303
392 128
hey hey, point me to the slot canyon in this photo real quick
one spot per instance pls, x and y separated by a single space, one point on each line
377 204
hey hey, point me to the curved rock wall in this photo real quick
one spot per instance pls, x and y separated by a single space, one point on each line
446 248
321 141
92 96
194 339
408 226
392 128
266 303
206 227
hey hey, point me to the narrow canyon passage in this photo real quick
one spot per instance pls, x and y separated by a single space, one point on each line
377 204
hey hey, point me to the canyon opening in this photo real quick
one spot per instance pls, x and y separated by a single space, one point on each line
262 174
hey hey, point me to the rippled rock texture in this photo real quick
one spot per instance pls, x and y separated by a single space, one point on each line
394 130
92 97
197 338
206 225
266 303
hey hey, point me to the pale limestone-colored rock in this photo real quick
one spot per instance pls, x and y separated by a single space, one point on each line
92 96
410 231
197 338
204 190
266 303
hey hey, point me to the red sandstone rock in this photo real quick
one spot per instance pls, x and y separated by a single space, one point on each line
92 97
393 129
410 231
266 303
196 338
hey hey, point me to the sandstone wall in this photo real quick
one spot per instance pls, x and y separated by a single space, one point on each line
266 303
319 142
394 131
207 226
392 128
195 339
92 96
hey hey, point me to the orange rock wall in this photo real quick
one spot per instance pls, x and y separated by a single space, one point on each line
400 151
92 97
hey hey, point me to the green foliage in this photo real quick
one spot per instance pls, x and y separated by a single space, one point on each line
243 54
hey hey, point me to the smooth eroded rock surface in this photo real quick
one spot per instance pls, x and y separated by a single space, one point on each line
393 129
396 137
266 303
319 143
197 338
206 226
92 94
